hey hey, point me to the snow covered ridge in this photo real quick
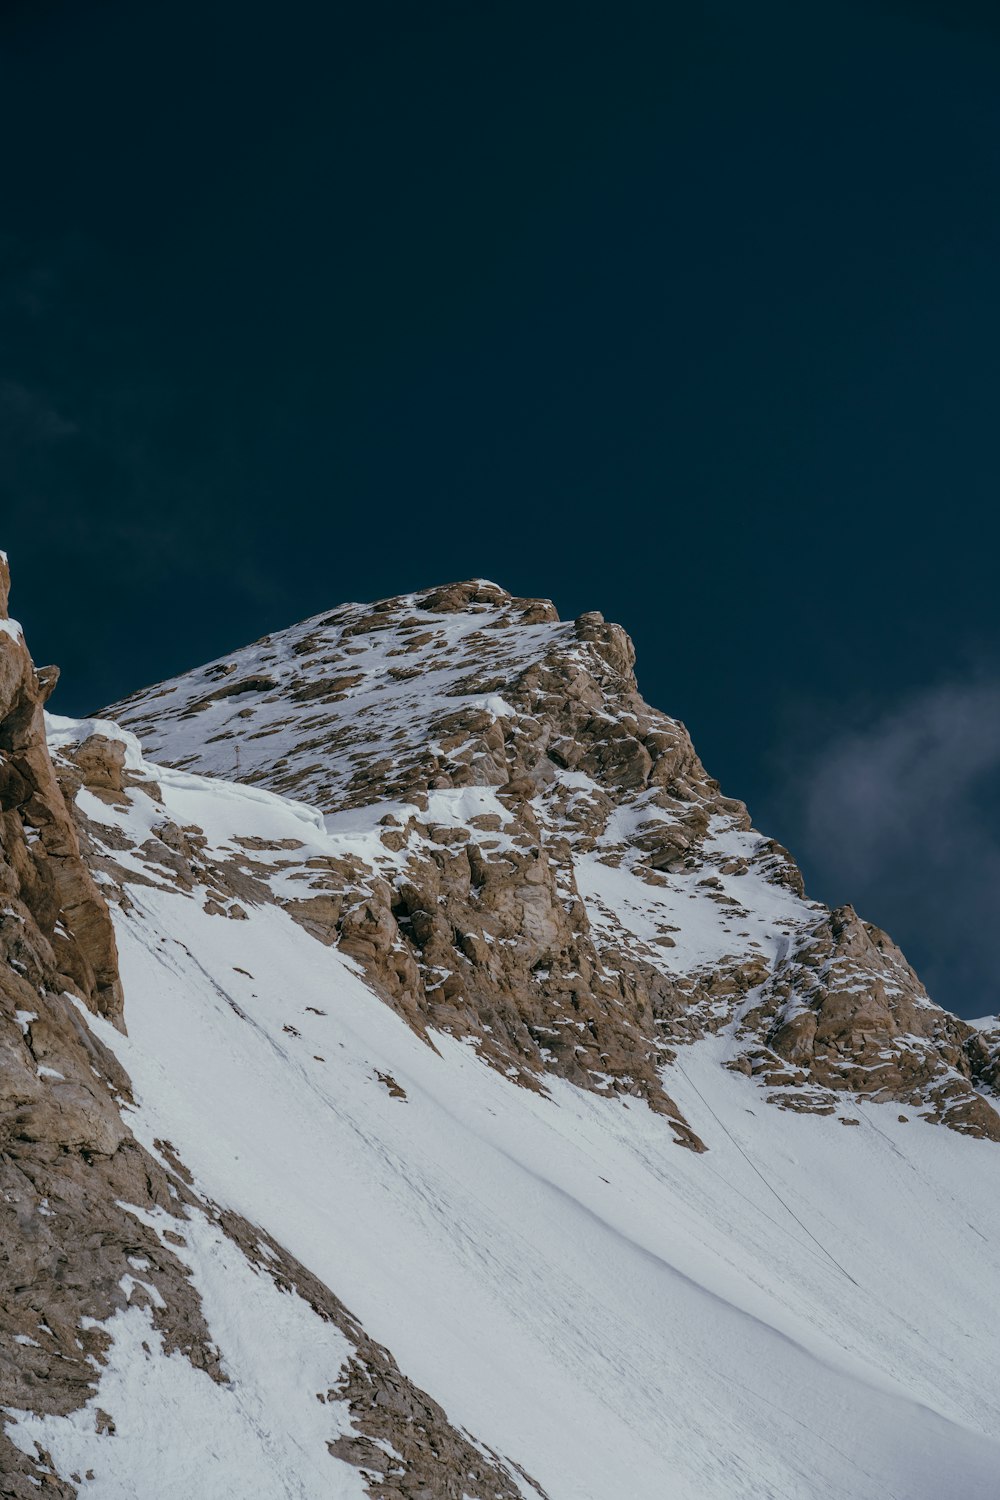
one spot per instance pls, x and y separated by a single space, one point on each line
538 861
430 1046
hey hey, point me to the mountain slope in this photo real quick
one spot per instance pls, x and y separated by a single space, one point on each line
431 1044
613 1312
550 868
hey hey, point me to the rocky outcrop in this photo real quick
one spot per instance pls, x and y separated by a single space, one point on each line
552 873
845 1013
66 1157
44 871
473 925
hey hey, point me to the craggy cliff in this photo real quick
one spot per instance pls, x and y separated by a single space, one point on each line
526 786
222 901
67 1155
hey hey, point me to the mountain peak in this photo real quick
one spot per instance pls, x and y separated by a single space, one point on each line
424 1035
585 838
359 697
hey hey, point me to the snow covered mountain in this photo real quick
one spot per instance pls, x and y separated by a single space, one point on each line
453 1102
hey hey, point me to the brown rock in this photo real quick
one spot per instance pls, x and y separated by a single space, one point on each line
101 762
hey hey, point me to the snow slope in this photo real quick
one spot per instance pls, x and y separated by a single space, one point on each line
797 1314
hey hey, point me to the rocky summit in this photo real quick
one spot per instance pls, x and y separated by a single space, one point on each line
553 872
421 1080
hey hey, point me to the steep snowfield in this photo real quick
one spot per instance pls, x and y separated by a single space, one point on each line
178 1433
797 1313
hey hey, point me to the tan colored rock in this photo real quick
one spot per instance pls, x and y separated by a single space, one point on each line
66 1157
847 1009
43 853
484 934
101 762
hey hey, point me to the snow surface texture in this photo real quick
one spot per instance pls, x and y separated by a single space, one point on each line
177 1433
796 1315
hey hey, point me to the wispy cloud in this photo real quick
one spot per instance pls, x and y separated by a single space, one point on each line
902 818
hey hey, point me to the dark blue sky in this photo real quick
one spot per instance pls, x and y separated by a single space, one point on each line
687 313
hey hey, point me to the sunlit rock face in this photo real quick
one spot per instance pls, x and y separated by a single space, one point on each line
536 859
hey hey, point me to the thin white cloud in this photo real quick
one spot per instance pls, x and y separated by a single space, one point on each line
902 818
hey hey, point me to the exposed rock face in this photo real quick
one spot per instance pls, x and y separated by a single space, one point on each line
555 874
67 1157
46 872
844 1012
478 930
71 1253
